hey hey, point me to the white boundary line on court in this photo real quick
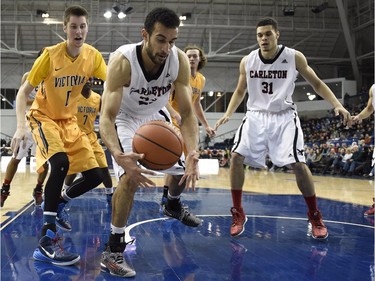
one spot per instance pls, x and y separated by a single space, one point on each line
131 226
128 228
17 215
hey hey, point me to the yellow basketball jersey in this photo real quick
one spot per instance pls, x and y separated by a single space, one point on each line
197 84
63 81
88 109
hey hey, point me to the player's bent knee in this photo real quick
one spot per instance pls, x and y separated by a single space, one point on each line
237 159
59 162
93 177
299 167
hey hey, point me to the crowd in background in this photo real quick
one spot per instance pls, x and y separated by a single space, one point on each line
330 147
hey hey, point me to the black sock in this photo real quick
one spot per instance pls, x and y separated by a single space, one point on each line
38 187
173 204
165 191
116 242
5 187
50 226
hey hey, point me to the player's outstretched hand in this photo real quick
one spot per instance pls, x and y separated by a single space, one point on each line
221 121
346 115
211 132
128 161
19 136
191 171
356 119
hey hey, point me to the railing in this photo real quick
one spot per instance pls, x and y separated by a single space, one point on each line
6 137
221 137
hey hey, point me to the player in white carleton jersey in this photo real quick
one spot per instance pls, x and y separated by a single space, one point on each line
146 93
271 126
272 81
145 99
138 84
365 113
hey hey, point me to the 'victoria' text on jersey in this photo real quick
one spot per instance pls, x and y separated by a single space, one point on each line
69 81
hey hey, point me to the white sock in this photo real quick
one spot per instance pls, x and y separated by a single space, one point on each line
109 190
65 187
64 195
117 230
173 197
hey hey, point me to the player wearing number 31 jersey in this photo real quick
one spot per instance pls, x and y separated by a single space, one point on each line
271 126
272 81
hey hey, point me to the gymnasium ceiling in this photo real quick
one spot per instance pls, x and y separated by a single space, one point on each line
342 34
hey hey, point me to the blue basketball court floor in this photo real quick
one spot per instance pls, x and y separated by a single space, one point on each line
276 244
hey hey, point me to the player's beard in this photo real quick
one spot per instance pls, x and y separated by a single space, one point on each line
153 57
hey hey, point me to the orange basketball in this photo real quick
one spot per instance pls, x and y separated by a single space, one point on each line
161 144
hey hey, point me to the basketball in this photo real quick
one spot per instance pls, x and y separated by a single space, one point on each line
161 144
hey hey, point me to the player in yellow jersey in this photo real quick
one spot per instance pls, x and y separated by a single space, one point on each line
16 159
64 69
88 109
197 60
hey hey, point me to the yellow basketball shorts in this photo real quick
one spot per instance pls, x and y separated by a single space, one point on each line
98 150
54 136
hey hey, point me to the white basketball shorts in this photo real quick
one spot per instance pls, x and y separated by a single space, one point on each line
127 125
278 135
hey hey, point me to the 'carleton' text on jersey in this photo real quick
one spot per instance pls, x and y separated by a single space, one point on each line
153 91
69 81
268 74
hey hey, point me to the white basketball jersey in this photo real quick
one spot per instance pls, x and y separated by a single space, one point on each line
146 95
270 83
373 96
